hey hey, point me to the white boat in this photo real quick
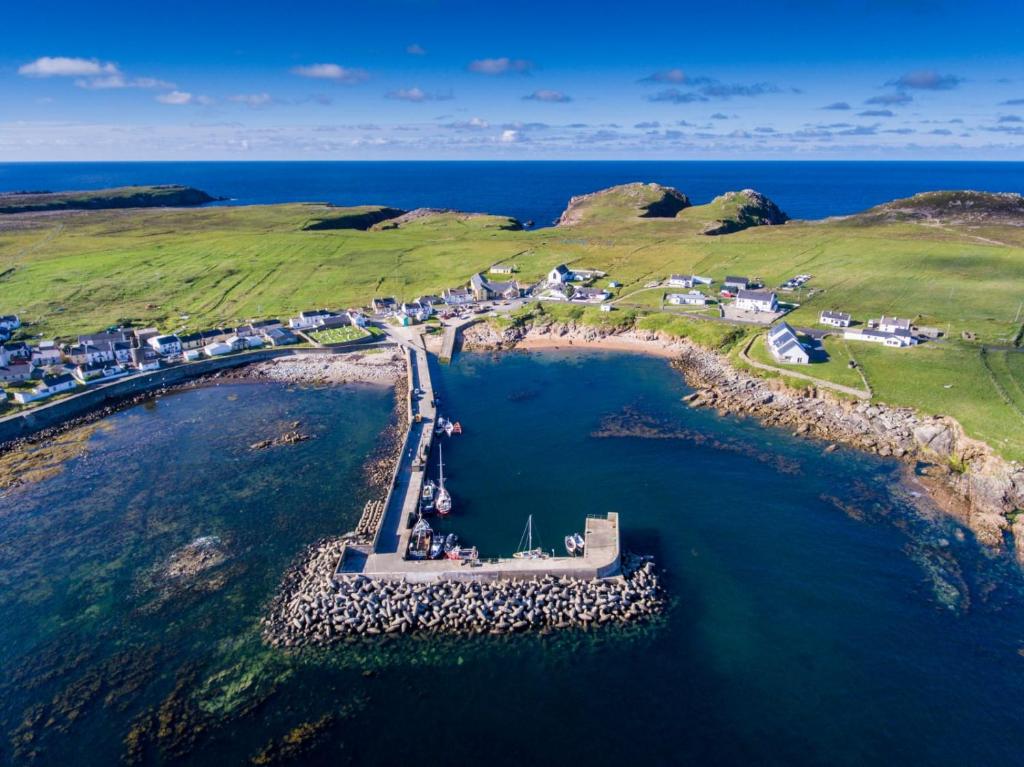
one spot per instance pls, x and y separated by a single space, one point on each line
443 503
428 496
526 549
419 541
574 544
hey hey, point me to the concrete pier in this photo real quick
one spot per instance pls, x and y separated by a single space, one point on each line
385 559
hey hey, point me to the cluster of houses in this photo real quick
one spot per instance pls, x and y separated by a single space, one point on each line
894 332
561 286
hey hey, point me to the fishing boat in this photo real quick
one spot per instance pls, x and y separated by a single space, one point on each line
457 428
463 552
428 496
449 428
437 547
420 540
443 502
451 542
526 549
574 544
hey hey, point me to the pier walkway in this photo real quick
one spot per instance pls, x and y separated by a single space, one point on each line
450 339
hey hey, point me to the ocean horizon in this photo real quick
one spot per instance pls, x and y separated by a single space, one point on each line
529 190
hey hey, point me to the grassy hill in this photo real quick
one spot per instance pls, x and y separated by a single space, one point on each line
207 266
103 199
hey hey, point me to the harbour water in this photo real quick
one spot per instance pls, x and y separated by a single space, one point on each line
819 615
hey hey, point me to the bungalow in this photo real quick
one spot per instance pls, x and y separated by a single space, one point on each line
192 355
217 348
785 346
589 295
280 337
757 301
680 281
560 275
384 305
45 354
895 340
503 269
311 318
835 319
892 324
15 371
693 298
49 386
86 354
457 297
240 343
733 284
10 322
106 337
165 345
97 371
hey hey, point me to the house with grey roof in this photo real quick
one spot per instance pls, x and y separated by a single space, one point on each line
785 346
835 319
757 301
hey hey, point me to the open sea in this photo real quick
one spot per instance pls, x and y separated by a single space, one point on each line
528 191
820 614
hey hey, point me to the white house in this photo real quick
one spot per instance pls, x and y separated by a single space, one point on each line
736 283
15 371
165 344
457 297
680 281
896 340
835 319
217 348
97 371
560 275
46 354
49 386
606 307
693 298
10 322
145 359
785 346
589 295
757 301
309 319
503 269
893 324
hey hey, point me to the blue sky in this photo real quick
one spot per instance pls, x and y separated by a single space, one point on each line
414 79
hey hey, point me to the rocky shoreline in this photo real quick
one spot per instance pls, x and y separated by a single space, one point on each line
383 367
315 608
989 488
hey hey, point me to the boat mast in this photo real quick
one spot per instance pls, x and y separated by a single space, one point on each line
440 462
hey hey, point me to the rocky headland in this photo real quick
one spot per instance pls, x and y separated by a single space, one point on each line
988 488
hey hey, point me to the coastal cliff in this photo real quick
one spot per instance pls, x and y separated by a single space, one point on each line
162 196
990 490
634 200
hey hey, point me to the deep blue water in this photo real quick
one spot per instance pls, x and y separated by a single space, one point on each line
529 191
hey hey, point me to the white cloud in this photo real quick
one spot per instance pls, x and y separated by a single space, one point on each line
254 100
500 66
336 72
416 50
510 136
418 94
120 81
66 66
176 98
550 96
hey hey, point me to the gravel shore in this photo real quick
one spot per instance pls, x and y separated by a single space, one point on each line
383 367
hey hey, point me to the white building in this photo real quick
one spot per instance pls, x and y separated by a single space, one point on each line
680 281
45 354
893 324
10 322
310 319
757 301
693 298
217 348
166 344
785 346
49 386
736 283
895 340
835 319
560 275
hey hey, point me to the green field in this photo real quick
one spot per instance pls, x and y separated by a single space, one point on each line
70 273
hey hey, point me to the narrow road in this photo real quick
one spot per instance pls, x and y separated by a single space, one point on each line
859 393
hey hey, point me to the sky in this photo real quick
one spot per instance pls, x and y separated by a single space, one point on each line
436 79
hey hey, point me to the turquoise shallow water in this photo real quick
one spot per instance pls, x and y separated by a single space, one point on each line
818 617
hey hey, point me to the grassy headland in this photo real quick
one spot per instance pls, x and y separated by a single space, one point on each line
181 269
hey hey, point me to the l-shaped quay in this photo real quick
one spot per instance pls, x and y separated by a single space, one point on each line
385 558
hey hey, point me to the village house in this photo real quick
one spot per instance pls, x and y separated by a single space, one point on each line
589 295
47 387
560 275
359 319
310 319
191 341
384 305
486 290
693 298
892 324
757 301
87 354
15 371
97 371
262 326
280 337
785 346
457 297
680 281
835 319
15 352
45 354
339 320
896 339
106 338
241 343
734 284
142 335
10 322
503 269
166 345
145 359
217 348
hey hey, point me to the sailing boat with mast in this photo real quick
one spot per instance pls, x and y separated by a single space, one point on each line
528 551
443 500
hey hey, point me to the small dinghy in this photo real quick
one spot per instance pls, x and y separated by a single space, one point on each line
574 544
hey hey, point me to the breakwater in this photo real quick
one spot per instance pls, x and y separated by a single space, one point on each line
316 607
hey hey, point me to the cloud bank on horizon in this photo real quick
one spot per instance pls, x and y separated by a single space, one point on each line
839 79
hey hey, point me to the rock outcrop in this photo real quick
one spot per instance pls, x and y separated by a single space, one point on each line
634 200
949 208
742 210
991 489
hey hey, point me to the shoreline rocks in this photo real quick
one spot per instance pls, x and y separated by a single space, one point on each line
385 367
990 489
314 608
